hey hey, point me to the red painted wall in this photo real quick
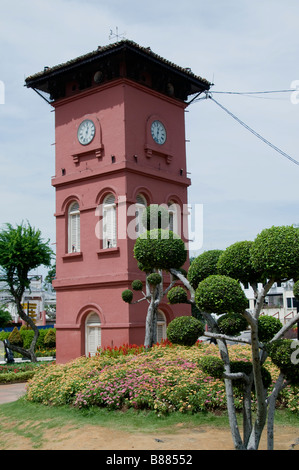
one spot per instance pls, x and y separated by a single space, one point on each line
94 279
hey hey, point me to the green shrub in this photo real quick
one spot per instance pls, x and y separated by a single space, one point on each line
236 262
127 296
50 338
137 285
154 279
268 327
184 331
232 324
212 366
203 266
15 338
280 352
275 253
160 249
220 294
246 368
177 295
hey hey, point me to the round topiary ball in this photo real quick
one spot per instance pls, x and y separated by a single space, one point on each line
127 296
184 331
232 324
275 252
203 266
154 279
137 285
283 355
220 294
160 249
177 295
212 366
268 327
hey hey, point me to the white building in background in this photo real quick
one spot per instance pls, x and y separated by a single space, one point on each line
39 300
280 301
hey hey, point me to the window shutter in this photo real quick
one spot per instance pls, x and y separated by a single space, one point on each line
140 208
109 222
74 228
161 327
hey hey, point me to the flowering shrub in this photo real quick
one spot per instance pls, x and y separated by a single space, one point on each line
165 378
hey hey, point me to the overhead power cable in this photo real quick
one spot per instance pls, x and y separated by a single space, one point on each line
284 154
253 92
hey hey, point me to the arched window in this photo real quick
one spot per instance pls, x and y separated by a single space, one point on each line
109 222
173 210
92 334
140 207
161 326
74 228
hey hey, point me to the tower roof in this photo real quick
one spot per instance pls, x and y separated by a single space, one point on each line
123 59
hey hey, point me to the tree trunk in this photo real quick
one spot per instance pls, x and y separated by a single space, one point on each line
26 352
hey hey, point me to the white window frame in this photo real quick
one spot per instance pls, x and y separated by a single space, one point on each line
109 230
161 326
74 228
93 334
140 207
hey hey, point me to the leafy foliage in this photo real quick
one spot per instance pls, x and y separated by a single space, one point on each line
232 324
127 296
177 295
236 262
137 285
280 352
15 337
268 327
160 249
21 250
220 294
5 318
275 253
212 365
154 279
184 330
203 266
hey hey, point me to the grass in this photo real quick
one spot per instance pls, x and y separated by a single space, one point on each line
30 420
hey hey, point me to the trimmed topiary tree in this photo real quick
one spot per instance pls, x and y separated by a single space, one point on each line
268 327
160 249
15 338
177 295
232 324
184 331
203 266
220 294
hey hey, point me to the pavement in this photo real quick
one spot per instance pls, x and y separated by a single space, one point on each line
11 392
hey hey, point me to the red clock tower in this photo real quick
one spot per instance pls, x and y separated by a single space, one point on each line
120 146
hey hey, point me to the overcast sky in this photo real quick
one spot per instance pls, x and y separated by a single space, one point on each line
239 45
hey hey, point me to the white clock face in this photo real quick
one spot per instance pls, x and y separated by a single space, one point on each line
158 132
86 132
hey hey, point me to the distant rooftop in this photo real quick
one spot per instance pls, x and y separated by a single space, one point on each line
123 59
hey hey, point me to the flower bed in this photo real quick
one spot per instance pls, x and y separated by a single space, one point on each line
166 378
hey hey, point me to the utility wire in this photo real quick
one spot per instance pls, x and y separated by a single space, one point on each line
252 92
208 95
